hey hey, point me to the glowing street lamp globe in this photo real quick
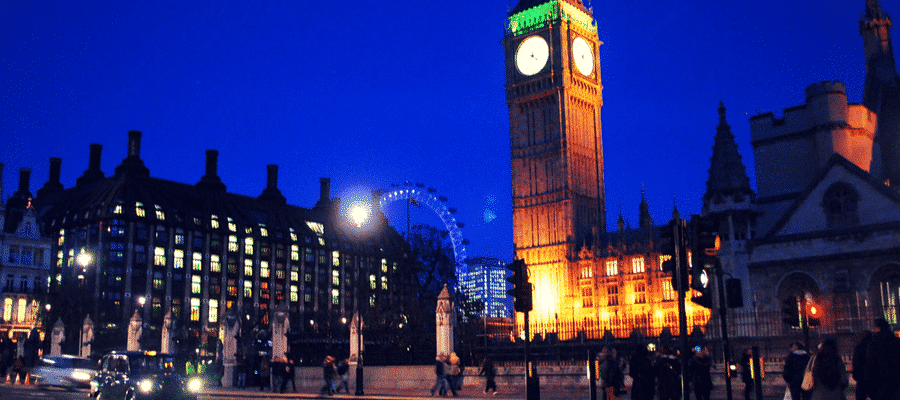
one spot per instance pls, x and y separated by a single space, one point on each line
359 213
83 258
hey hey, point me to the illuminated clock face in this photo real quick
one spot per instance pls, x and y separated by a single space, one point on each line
583 56
532 55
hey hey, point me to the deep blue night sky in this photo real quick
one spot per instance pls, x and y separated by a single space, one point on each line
371 93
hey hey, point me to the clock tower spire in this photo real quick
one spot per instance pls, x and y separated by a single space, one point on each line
553 91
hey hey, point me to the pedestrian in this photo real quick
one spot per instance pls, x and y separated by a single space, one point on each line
489 372
794 369
457 381
701 377
18 369
640 368
440 377
278 372
452 373
668 374
240 369
881 362
612 379
265 373
859 366
829 374
328 374
747 373
343 368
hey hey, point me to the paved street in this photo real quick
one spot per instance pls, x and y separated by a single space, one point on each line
18 392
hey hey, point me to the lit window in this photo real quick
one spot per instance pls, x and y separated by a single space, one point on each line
295 252
117 209
139 209
335 296
197 262
7 308
295 275
214 221
335 277
587 297
637 265
316 227
640 293
20 311
383 265
158 282
248 267
372 283
213 310
668 291
295 295
160 215
586 272
248 246
214 264
384 282
159 257
195 309
179 238
248 289
263 269
248 230
232 243
293 235
335 258
263 232
612 295
612 268
232 226
195 284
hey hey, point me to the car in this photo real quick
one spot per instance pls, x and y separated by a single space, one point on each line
64 371
134 375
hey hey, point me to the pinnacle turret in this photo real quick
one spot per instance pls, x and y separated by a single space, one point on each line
727 175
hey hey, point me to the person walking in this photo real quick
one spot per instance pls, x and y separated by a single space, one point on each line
859 366
489 372
881 364
794 369
829 374
328 374
701 378
440 376
240 369
453 373
288 373
265 373
640 368
612 380
668 374
343 368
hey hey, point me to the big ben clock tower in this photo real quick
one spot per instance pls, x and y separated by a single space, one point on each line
553 91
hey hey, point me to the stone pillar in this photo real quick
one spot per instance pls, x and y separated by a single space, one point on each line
356 338
166 344
58 335
445 317
87 336
281 325
228 334
135 329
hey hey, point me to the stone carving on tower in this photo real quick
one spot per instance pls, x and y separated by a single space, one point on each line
445 321
881 93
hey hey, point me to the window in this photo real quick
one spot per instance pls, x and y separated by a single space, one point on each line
335 277
158 282
248 246
612 268
213 223
195 284
586 272
384 284
20 310
384 267
295 252
637 265
372 284
248 267
840 203
640 293
197 263
335 296
263 269
7 308
179 258
179 238
294 294
139 209
663 258
160 215
232 243
612 295
232 288
195 309
295 275
587 297
159 257
668 291
248 289
335 258
213 310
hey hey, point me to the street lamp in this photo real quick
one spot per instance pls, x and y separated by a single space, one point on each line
359 213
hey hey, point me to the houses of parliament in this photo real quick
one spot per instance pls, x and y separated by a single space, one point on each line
827 229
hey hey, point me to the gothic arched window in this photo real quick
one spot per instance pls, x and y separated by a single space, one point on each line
840 204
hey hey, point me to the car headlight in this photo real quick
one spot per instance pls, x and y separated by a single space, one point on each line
194 385
146 385
80 376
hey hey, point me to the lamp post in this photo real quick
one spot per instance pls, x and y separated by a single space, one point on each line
359 215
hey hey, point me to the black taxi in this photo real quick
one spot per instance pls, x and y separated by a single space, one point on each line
133 375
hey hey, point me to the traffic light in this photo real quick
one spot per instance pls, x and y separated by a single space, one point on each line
813 312
704 245
702 296
790 311
734 293
521 291
674 245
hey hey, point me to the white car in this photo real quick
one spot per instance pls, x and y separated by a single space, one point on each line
64 371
